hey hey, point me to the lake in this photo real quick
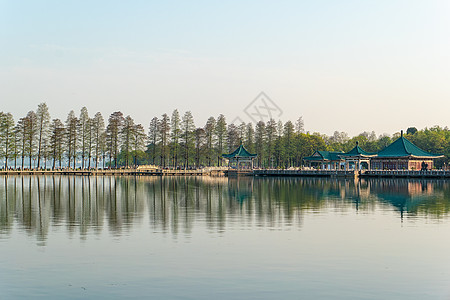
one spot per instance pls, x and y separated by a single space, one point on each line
67 237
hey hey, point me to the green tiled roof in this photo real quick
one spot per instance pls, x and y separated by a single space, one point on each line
402 148
239 152
324 155
358 151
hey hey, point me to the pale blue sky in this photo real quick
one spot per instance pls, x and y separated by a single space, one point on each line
343 65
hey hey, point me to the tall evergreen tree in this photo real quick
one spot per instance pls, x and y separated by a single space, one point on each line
20 131
84 135
127 136
260 138
289 145
115 124
200 138
98 131
249 140
71 138
271 130
6 137
221 131
42 128
299 125
153 139
210 138
233 138
31 129
163 136
187 134
175 131
57 142
139 141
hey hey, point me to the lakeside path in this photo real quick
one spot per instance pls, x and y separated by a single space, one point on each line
133 172
437 174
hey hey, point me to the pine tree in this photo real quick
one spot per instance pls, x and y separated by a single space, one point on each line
260 137
233 138
84 135
209 136
188 127
249 140
6 137
138 141
271 130
71 138
289 146
115 124
200 138
153 138
31 129
163 135
98 134
57 142
42 128
175 136
127 136
221 131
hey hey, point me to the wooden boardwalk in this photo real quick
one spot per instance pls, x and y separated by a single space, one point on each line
119 172
305 173
365 173
406 173
234 173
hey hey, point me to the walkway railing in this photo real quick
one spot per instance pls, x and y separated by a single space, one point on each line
406 173
275 172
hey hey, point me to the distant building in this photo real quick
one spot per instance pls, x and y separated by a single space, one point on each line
328 160
240 158
403 155
400 155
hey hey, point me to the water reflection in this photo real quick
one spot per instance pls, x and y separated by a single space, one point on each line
174 205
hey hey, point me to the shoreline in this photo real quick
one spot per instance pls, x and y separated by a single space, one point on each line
440 174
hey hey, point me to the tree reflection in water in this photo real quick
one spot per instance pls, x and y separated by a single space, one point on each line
174 205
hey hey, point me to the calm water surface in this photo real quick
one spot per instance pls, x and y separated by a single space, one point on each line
202 238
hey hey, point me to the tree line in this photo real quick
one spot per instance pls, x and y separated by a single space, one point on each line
37 141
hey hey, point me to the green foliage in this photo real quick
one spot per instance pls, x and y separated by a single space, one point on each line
177 142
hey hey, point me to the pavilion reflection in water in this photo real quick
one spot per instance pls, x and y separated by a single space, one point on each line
85 205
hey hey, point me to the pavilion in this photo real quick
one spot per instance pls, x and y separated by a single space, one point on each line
325 159
403 155
400 155
240 159
357 157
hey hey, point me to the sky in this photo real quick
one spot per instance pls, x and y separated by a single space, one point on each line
349 66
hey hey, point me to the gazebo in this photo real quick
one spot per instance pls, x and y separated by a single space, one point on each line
357 156
403 155
325 159
240 158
